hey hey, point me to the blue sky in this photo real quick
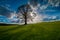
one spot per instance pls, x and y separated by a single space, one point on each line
13 4
51 10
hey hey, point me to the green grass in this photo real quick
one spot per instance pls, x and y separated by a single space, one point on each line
38 31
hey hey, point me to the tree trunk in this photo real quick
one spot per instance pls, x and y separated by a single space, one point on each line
25 18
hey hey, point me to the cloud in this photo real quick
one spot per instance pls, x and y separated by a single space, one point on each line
13 14
51 18
12 19
9 15
5 12
55 3
4 19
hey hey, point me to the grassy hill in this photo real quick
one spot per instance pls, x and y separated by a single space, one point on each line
38 31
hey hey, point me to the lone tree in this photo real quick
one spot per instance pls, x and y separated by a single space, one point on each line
25 12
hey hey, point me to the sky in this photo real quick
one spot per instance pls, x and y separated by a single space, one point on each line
50 9
13 4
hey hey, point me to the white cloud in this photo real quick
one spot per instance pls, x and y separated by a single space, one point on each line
7 6
43 7
54 17
54 2
57 4
13 14
5 11
50 17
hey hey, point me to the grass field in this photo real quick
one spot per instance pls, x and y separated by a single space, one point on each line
38 31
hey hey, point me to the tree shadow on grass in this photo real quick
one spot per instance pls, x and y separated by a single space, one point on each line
17 27
6 36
